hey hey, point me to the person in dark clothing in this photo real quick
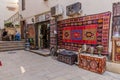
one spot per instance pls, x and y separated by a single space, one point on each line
12 37
4 35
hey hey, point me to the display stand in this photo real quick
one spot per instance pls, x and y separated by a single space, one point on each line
68 57
116 49
92 63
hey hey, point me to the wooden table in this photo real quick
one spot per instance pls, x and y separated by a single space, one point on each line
92 62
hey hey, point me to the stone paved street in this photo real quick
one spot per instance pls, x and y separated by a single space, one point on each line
23 65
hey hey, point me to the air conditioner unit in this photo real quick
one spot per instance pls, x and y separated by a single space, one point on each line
56 10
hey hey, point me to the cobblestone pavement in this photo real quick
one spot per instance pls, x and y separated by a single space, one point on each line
23 65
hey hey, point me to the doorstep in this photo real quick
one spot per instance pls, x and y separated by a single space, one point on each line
43 52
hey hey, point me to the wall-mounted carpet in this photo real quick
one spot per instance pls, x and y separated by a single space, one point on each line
91 30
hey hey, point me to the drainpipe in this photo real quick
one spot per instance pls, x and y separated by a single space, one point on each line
56 32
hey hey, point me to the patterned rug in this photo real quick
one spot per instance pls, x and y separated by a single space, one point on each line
80 34
91 30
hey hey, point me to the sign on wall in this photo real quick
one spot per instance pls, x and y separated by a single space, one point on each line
47 16
43 17
116 19
116 9
73 9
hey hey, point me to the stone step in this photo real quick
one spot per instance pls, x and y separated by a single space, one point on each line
11 45
10 42
43 52
10 49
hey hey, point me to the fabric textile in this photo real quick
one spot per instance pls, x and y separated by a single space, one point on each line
91 30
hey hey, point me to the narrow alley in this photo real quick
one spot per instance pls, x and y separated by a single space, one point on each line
24 65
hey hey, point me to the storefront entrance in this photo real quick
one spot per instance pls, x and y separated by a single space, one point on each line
43 35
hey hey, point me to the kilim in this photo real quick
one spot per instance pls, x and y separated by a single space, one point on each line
91 30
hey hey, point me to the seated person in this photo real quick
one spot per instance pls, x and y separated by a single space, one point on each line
5 35
17 36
